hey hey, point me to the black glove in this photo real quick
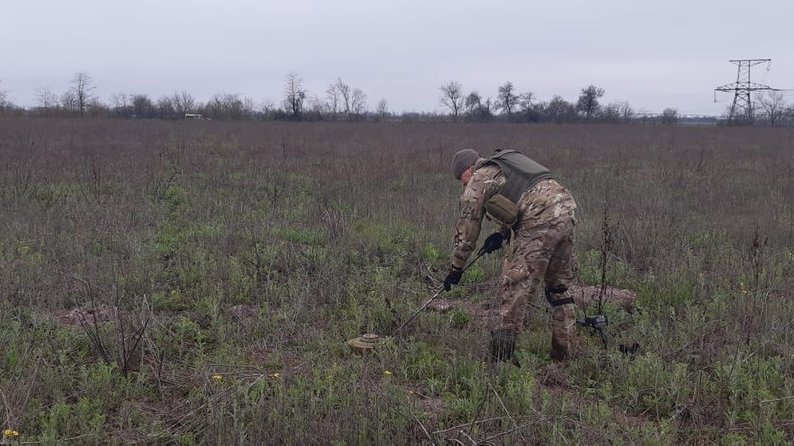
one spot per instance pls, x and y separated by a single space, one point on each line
452 278
492 243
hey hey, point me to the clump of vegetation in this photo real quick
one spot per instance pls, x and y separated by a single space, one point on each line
196 284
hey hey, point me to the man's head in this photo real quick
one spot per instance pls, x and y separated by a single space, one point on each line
462 161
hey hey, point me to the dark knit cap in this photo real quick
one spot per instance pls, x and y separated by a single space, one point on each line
462 160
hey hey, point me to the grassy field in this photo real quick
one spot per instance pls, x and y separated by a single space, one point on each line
196 283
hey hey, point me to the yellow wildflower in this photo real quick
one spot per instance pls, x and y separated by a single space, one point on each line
10 433
217 378
387 372
276 375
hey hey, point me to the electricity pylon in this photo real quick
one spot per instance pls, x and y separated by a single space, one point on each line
742 107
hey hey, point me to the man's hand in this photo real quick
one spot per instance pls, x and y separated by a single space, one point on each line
492 243
452 278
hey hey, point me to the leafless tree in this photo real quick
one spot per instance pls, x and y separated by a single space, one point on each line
332 95
528 106
247 108
358 101
773 105
526 101
344 92
625 110
350 101
69 100
317 105
476 108
473 102
559 110
120 100
383 108
166 109
142 106
618 111
267 107
96 107
231 106
121 105
609 113
184 103
506 99
47 99
82 90
294 95
452 97
588 101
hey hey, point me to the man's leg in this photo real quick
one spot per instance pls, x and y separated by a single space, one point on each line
559 277
522 273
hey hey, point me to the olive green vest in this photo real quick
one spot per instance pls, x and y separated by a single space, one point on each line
522 172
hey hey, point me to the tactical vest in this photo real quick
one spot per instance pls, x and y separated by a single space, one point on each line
521 172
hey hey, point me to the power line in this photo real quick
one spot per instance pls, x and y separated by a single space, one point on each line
742 106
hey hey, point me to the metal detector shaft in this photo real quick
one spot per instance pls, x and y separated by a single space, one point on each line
438 293
416 313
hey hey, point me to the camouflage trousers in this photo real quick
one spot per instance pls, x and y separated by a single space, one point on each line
542 251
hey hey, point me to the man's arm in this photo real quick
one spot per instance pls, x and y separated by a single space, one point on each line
485 182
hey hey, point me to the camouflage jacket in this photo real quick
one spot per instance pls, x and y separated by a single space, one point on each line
544 202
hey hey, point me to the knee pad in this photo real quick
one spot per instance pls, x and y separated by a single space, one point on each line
553 293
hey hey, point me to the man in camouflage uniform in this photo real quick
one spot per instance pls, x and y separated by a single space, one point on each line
540 230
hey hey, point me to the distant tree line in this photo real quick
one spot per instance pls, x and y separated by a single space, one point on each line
514 106
343 102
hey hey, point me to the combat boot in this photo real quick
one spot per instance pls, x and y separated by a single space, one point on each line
562 333
559 351
503 346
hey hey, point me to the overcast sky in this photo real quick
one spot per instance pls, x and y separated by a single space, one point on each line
653 54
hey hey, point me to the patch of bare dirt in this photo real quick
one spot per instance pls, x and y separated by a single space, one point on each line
586 296
479 311
442 305
243 312
553 376
431 406
73 317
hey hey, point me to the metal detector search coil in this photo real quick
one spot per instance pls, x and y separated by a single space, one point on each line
596 321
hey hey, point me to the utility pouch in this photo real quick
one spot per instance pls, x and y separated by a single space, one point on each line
502 209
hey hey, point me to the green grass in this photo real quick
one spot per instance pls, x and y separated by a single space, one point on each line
256 264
